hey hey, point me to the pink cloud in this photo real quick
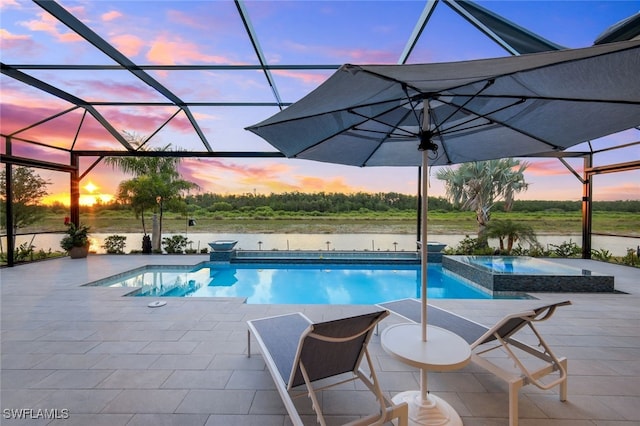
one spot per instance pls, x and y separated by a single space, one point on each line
16 117
224 176
110 90
129 45
19 43
367 55
61 131
21 108
21 149
220 175
334 184
17 93
253 171
549 167
355 55
188 20
175 51
4 4
111 15
144 120
7 37
306 77
50 25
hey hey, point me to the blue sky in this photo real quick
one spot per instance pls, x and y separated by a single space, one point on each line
289 32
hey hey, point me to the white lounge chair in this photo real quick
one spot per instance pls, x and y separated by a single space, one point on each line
484 340
299 352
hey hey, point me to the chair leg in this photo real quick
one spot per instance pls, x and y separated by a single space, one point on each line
514 387
248 344
401 412
564 385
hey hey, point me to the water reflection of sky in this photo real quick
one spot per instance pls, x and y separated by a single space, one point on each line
305 284
521 265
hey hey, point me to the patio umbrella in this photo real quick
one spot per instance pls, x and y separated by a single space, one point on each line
386 115
448 113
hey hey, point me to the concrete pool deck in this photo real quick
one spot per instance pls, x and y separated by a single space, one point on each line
102 359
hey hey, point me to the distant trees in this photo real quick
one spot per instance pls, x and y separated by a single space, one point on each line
28 189
321 202
303 203
477 186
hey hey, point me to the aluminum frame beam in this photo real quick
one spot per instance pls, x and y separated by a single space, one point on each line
253 38
52 90
500 30
62 15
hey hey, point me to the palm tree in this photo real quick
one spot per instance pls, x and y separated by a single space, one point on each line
156 180
512 231
477 186
139 193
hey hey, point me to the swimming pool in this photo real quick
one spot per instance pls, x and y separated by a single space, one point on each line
277 283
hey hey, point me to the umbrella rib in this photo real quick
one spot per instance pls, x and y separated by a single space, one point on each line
488 84
347 109
387 135
502 123
442 144
354 126
393 80
476 116
553 98
393 126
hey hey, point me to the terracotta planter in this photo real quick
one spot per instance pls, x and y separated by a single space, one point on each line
78 252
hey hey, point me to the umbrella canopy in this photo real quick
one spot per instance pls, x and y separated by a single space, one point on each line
382 115
378 115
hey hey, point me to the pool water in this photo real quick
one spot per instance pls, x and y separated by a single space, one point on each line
520 265
527 274
262 283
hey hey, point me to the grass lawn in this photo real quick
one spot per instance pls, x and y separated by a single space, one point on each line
546 223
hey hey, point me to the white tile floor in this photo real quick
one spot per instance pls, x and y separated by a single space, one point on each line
103 359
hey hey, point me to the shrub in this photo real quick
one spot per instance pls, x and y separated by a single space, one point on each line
631 258
467 246
24 252
175 244
603 255
566 249
114 244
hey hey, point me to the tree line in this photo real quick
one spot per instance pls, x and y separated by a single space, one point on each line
336 203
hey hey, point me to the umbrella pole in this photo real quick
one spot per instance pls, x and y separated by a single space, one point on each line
423 246
424 393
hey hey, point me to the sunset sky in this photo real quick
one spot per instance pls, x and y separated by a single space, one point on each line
289 32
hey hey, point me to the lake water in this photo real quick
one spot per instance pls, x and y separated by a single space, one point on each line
371 242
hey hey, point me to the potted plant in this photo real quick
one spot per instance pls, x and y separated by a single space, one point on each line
76 242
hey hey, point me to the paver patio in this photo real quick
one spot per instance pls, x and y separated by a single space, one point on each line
102 359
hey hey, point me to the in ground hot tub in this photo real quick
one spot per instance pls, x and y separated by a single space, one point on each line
526 274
